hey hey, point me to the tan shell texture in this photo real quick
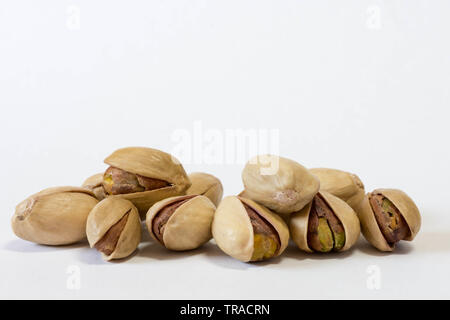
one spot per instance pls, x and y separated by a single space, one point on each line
95 184
404 204
189 226
150 163
105 215
233 232
349 219
344 185
281 185
285 216
55 216
207 185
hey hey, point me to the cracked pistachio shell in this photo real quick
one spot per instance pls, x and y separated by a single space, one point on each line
189 226
281 185
285 216
207 185
344 185
104 216
233 231
150 163
54 216
404 204
349 219
95 184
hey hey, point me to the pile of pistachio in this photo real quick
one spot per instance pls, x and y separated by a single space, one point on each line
322 210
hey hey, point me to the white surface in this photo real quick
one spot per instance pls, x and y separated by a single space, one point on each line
356 85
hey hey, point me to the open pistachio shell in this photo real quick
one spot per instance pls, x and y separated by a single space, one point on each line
187 227
369 225
54 216
150 163
300 221
95 184
233 231
104 216
282 185
344 185
285 216
207 185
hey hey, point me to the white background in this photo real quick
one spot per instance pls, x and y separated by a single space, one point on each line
362 86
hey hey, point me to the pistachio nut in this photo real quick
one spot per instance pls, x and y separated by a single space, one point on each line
248 231
285 216
95 184
114 228
144 176
54 216
206 185
181 223
344 185
324 225
284 187
387 217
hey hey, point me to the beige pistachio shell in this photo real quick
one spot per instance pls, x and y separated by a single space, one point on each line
189 226
145 200
150 163
344 185
207 185
54 216
233 232
283 185
95 184
285 216
105 215
369 224
349 219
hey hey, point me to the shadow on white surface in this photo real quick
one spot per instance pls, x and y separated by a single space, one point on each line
90 256
155 251
433 242
22 246
402 248
220 259
429 242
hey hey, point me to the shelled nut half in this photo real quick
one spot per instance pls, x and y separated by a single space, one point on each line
206 185
95 184
114 228
344 185
181 223
324 225
285 187
54 216
144 176
248 231
387 217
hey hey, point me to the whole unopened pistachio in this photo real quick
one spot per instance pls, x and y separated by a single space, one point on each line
248 231
181 223
387 217
54 216
95 184
344 185
206 185
326 224
279 184
144 176
114 228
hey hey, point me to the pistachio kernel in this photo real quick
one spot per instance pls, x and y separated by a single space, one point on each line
117 181
266 240
161 218
107 244
325 231
390 221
